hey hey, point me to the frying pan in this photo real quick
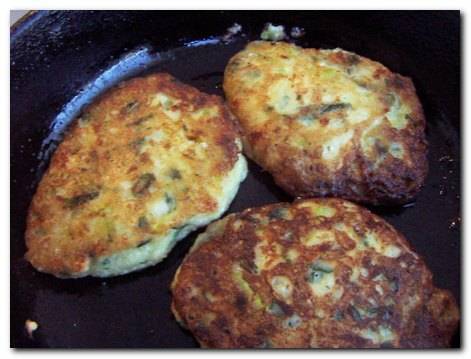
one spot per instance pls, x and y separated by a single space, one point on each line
61 60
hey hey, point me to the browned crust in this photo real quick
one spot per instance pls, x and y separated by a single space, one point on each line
209 302
101 152
303 172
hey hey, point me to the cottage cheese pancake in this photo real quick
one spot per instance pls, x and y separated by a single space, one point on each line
329 122
147 163
321 273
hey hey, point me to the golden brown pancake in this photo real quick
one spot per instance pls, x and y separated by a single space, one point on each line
328 122
147 163
318 273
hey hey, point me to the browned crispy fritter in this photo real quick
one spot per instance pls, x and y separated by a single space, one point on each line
329 122
149 161
321 273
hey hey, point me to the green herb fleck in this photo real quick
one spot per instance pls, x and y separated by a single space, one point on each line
338 315
334 107
317 270
81 199
142 222
85 117
141 120
352 59
292 322
137 144
105 263
308 119
394 285
275 309
175 174
170 201
144 242
389 99
278 213
130 106
254 74
355 314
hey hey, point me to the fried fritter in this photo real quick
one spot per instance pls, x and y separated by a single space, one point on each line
147 163
329 122
320 273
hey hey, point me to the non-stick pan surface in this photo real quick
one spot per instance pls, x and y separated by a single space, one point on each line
61 60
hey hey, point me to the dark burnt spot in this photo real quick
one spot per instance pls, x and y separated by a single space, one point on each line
249 218
395 81
240 302
200 101
202 333
245 341
222 324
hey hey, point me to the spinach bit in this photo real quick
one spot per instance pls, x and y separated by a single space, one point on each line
292 322
142 222
177 230
278 213
144 242
308 119
338 315
275 309
175 174
266 344
106 263
372 311
137 144
352 59
141 120
312 113
171 203
334 107
394 284
317 270
143 183
355 314
81 199
85 117
131 106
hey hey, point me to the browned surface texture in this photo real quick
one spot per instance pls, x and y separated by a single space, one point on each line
318 273
139 163
329 122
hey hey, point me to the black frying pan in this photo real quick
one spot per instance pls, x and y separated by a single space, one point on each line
61 60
